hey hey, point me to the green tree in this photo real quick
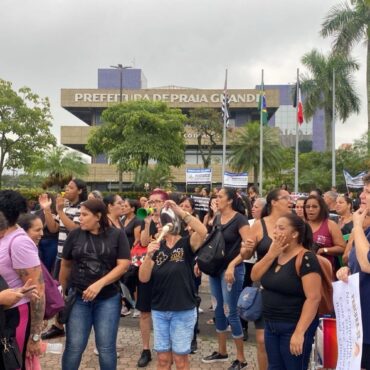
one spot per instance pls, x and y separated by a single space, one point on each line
25 122
59 165
207 125
349 24
156 176
317 87
245 150
134 133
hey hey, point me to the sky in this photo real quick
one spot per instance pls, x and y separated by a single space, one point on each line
52 44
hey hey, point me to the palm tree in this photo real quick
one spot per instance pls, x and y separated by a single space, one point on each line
59 165
317 87
245 149
349 23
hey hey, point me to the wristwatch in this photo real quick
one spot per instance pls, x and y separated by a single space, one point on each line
35 337
325 250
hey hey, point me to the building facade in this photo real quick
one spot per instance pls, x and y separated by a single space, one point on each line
88 105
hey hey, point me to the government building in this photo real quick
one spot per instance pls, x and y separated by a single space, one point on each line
116 85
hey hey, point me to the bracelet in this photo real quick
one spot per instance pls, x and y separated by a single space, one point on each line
186 217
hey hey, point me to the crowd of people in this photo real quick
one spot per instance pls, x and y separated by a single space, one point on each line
110 262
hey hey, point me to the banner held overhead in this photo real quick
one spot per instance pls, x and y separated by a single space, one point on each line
198 176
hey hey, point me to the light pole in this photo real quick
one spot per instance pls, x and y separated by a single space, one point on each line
121 68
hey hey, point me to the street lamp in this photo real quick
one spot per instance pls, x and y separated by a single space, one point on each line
121 68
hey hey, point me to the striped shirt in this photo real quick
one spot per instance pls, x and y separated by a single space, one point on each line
73 213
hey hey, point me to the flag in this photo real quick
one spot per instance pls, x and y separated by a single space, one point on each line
299 103
262 107
225 104
356 182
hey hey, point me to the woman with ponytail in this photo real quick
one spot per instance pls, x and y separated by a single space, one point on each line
226 287
290 300
277 204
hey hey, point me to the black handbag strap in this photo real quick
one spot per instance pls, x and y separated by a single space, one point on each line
221 227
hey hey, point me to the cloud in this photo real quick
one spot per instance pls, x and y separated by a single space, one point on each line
49 45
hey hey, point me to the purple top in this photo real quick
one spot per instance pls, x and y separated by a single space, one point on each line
23 255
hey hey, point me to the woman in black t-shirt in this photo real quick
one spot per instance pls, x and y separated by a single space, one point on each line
169 265
226 287
95 256
290 302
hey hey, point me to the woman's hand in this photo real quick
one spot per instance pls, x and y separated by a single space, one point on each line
152 248
247 248
229 274
45 202
359 217
278 245
59 203
9 297
296 344
197 271
343 273
92 291
33 348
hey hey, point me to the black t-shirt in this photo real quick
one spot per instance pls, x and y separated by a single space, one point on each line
172 277
283 295
94 256
129 230
232 237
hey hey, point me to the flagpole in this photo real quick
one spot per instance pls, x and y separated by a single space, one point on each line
261 139
296 138
224 135
333 170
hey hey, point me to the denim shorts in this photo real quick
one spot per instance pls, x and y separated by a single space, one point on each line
173 330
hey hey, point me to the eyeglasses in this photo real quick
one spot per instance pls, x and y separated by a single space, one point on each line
307 206
157 201
286 197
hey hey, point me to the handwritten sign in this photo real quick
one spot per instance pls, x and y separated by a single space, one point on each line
349 323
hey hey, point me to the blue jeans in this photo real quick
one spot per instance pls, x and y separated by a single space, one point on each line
226 299
104 315
173 330
48 249
277 342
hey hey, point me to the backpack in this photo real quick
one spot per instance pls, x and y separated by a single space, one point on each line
54 301
326 306
211 255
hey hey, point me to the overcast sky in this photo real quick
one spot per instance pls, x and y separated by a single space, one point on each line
53 44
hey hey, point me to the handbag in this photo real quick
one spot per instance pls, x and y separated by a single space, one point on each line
10 355
250 303
69 301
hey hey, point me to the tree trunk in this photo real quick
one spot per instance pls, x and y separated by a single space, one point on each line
368 89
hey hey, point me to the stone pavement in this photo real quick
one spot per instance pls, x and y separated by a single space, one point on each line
129 347
129 344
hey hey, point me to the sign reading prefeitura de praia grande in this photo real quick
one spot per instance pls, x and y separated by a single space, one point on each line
181 98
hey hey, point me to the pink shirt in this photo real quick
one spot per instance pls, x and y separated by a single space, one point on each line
23 255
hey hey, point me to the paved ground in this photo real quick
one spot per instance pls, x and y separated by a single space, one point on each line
129 346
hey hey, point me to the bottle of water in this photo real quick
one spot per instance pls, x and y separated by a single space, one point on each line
55 348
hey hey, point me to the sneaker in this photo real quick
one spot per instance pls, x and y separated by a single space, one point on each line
237 365
136 313
125 311
215 357
96 352
194 346
53 332
145 358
